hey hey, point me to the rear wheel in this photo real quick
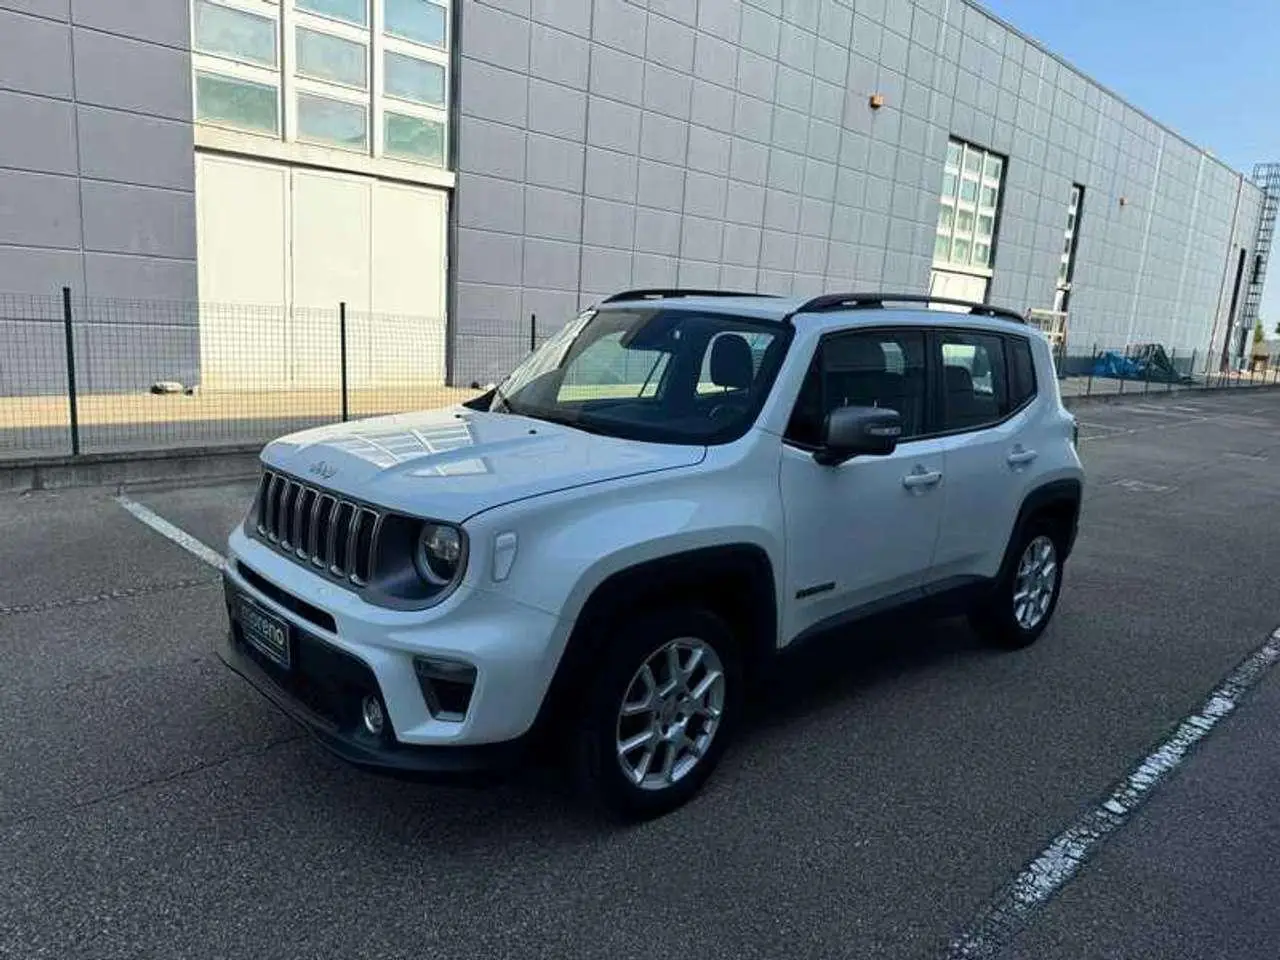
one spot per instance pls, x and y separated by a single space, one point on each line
1025 599
659 713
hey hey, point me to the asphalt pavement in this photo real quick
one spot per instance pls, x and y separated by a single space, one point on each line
153 806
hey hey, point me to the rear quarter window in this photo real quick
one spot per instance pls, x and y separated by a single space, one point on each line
1022 372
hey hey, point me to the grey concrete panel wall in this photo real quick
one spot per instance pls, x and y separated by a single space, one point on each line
731 142
97 173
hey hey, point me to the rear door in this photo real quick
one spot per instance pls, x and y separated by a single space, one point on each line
862 533
986 388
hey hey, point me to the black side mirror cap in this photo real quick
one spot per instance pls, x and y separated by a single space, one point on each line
858 432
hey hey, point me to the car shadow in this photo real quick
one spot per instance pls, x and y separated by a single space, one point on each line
839 665
540 802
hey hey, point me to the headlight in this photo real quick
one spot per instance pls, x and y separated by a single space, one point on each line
438 554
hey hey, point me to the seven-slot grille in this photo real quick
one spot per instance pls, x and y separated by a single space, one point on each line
316 527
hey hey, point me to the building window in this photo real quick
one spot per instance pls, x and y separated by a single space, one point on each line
304 70
322 56
971 183
235 34
233 102
408 78
1070 240
336 122
349 11
413 138
422 21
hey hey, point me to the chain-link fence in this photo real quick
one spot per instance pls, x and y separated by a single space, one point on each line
1150 368
84 376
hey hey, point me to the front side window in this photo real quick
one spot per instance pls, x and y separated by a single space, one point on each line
975 388
872 368
650 374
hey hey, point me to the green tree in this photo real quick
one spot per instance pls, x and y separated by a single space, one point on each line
1258 333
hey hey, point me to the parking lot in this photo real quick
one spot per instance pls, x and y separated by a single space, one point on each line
898 780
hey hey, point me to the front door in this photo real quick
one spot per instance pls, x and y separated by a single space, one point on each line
860 534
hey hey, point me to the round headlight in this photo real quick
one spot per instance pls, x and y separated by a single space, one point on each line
439 553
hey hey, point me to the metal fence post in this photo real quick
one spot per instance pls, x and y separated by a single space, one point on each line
1191 370
533 332
1173 370
71 372
342 354
1093 362
1146 379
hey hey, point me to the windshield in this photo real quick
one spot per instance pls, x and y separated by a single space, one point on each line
661 375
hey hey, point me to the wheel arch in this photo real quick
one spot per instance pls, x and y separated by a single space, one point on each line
733 580
1059 501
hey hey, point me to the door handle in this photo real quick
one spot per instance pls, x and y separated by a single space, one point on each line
1021 458
913 481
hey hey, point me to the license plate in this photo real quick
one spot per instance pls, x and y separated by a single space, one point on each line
267 633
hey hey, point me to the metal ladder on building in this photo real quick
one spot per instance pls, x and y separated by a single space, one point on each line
1266 176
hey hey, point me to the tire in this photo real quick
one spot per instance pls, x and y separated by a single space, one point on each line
620 679
1009 620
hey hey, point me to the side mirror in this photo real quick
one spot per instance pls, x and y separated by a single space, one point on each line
858 431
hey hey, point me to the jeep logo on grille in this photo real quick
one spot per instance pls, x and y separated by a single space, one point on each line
322 470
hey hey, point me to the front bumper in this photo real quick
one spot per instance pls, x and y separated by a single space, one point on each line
346 649
320 712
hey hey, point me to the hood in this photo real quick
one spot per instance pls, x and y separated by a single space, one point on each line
452 464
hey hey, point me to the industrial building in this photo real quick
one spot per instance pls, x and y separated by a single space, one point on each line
453 169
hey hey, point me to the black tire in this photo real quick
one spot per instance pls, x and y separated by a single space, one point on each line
597 768
995 619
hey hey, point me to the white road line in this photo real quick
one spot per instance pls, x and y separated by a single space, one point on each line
1017 904
166 529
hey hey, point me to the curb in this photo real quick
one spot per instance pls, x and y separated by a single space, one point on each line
1156 394
136 469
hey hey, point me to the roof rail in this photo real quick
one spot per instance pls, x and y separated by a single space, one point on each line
656 294
873 301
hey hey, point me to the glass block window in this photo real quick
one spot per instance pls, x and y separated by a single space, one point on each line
972 180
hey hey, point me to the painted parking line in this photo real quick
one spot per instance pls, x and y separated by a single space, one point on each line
1152 410
1018 903
167 530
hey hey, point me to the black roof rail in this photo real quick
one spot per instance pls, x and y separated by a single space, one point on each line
873 301
656 294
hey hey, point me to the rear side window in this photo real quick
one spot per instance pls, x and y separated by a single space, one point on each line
1022 372
975 383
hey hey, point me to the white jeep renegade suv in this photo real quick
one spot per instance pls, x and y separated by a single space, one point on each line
612 543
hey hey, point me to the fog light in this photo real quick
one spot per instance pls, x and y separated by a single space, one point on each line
371 710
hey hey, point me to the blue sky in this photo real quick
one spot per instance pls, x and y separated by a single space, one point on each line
1209 70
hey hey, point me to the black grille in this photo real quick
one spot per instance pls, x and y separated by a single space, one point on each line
317 527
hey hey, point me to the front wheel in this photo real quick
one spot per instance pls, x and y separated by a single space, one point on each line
660 713
1027 595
